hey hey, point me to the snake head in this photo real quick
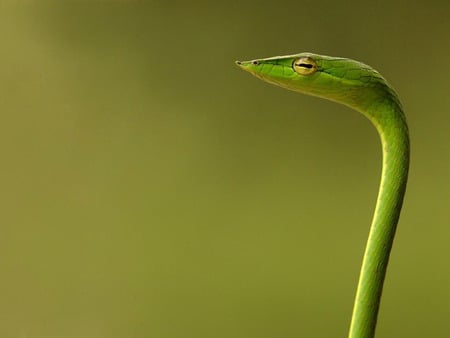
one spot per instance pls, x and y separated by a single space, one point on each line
338 79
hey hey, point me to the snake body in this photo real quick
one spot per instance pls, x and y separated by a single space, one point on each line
362 88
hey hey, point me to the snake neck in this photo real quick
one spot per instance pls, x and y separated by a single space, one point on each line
390 122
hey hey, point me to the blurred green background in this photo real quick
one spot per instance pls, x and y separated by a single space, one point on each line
150 188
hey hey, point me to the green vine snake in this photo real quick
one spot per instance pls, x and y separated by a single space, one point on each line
360 87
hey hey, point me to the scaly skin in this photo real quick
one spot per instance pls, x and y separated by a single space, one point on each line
362 88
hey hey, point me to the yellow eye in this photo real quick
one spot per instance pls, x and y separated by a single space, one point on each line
304 66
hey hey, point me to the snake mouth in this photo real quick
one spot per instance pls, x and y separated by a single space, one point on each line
248 66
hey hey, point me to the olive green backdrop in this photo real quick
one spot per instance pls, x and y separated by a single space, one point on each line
150 188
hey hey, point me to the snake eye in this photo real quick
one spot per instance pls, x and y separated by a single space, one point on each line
304 66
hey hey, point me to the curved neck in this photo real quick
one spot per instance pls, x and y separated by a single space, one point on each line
390 122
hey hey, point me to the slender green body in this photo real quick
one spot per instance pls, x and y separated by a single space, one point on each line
362 88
